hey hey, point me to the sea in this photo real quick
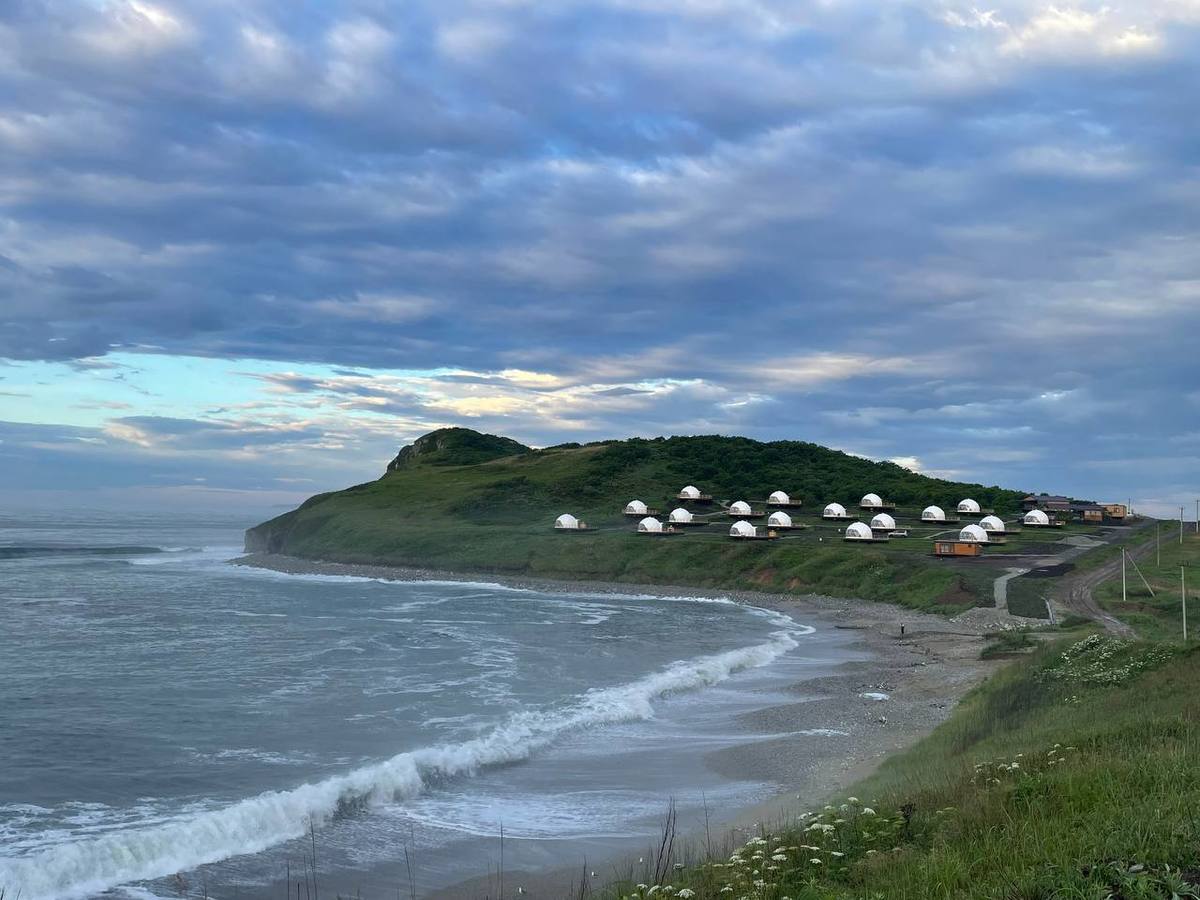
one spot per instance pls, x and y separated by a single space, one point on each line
172 723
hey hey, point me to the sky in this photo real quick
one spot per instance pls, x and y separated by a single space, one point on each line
249 248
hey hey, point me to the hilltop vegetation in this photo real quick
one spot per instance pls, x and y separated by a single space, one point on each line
462 501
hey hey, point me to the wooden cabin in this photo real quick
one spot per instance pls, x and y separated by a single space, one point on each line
957 548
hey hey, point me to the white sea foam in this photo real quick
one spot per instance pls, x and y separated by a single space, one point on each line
877 696
257 823
186 555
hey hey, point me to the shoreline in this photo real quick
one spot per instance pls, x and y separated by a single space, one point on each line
839 730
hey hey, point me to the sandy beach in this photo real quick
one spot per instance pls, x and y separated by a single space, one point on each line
839 728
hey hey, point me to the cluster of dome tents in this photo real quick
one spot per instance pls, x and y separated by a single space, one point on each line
880 527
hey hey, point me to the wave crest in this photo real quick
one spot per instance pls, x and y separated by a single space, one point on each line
268 819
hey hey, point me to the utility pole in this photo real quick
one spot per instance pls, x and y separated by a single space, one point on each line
1123 575
1198 517
1158 544
1181 525
1183 596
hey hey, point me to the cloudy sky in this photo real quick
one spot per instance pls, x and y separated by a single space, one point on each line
250 247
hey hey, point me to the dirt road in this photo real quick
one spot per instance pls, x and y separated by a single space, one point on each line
1075 593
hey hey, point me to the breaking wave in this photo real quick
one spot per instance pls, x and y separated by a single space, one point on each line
268 819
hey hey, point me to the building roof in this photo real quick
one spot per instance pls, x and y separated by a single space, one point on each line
933 514
883 521
780 518
742 529
858 530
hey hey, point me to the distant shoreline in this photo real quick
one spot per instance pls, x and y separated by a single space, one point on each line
923 674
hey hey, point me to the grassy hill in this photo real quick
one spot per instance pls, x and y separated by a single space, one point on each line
463 501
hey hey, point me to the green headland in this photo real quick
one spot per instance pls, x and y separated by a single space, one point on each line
462 501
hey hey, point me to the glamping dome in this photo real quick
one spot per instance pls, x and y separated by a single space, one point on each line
859 531
779 497
1036 517
871 501
973 534
680 516
883 522
650 525
780 520
933 514
992 523
691 492
635 508
742 529
567 521
834 511
739 508
968 506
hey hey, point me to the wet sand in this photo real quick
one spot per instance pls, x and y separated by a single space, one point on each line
837 731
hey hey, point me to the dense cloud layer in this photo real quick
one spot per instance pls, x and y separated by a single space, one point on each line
915 230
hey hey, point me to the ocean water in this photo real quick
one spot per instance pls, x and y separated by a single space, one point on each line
163 711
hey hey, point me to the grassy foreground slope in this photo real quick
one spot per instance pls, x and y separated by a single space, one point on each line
1070 774
463 501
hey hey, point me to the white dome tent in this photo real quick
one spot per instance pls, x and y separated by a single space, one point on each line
691 492
650 525
681 516
566 522
1037 518
742 530
859 531
883 522
968 506
780 498
992 524
635 508
933 514
871 501
834 511
779 520
973 534
740 508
